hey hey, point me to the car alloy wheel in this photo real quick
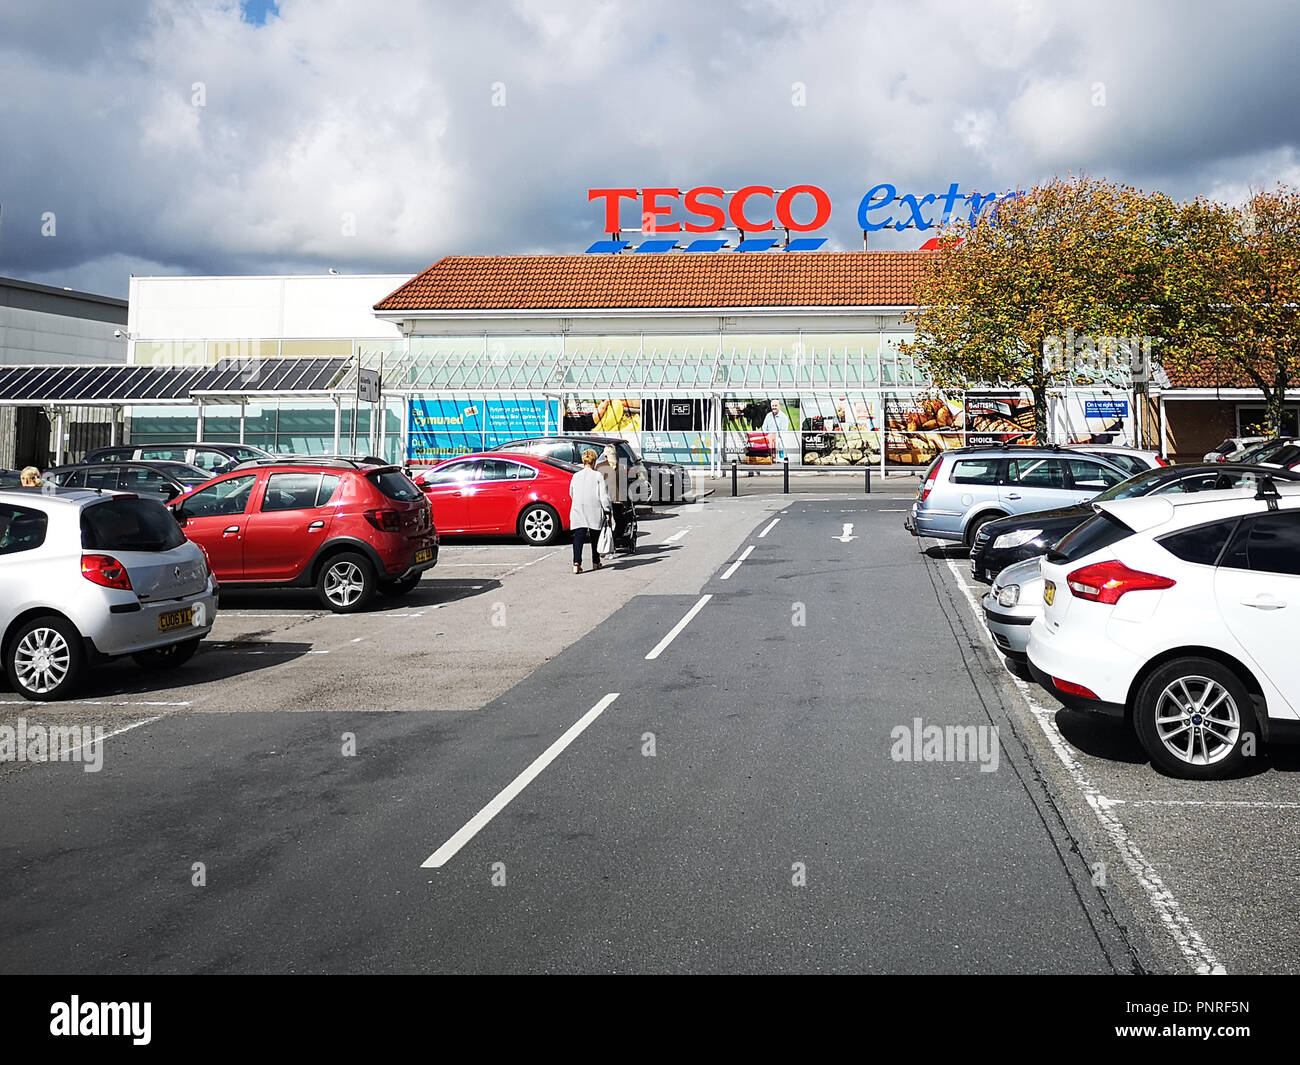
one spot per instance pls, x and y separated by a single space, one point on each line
538 525
42 660
1197 720
344 583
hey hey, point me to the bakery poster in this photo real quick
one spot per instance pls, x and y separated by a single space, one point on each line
999 418
840 430
919 428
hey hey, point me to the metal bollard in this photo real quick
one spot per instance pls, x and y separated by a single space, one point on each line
868 479
734 490
786 476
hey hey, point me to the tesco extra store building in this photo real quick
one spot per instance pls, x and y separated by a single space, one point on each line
695 358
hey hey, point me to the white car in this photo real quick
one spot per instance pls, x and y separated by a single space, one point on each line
88 575
1180 613
1231 446
1129 459
1012 604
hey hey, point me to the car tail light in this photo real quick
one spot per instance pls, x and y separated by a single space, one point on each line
1165 462
1070 688
1106 582
929 483
106 571
384 520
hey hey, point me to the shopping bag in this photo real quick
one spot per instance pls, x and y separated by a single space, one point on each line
605 545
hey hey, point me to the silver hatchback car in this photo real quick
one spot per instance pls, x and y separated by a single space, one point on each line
86 576
965 488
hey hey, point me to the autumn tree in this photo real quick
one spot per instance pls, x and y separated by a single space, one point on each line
1076 257
1233 295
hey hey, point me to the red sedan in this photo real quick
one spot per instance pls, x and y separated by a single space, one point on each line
500 494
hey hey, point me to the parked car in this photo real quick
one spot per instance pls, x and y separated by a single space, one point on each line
1233 444
10 478
1011 606
966 488
164 480
347 529
670 482
1262 451
499 493
1172 612
88 576
1129 459
640 489
1286 457
1009 540
215 458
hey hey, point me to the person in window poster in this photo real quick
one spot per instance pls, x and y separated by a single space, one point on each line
775 425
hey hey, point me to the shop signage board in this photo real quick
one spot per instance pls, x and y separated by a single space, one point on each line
762 209
444 427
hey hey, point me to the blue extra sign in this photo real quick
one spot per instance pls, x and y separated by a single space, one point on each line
1105 408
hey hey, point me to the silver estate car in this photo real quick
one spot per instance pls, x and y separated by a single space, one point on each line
967 487
86 576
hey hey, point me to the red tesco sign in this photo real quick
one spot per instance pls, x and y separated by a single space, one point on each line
752 209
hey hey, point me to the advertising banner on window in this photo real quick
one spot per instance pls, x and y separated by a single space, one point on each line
999 418
445 426
602 415
918 428
1093 417
761 431
840 430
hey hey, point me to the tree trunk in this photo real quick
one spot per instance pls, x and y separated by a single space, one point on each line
1041 426
1275 403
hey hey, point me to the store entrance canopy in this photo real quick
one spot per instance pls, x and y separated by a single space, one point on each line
120 386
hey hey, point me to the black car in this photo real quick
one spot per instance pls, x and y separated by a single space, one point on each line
215 458
165 480
1006 541
570 448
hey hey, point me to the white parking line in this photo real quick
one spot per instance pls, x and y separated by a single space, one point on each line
676 629
119 731
677 535
769 528
475 824
736 565
1260 804
1171 914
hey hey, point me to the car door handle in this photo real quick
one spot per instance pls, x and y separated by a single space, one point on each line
1264 602
230 530
316 526
1013 495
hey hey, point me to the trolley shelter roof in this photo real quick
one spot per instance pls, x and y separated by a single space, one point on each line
118 385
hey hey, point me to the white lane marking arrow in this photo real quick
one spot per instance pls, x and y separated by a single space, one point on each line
846 535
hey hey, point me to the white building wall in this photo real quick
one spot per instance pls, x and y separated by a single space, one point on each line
243 308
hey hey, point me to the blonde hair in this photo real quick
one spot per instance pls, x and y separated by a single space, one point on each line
30 477
589 457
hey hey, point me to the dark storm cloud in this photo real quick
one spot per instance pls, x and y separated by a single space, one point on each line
176 136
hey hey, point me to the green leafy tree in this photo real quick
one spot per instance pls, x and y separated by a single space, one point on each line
1232 298
1074 263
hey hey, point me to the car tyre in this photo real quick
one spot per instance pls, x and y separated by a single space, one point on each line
538 524
169 657
45 659
346 583
1192 717
406 584
973 530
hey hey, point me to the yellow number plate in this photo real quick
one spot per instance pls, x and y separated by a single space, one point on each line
175 619
424 554
1049 592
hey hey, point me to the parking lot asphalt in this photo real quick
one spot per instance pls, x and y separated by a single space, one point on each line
491 775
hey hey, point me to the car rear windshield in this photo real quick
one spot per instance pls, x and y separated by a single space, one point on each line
129 525
395 485
1099 531
1139 484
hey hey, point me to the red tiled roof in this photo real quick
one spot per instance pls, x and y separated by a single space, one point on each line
1212 374
688 280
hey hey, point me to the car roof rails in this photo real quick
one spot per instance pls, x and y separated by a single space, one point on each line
307 460
1268 492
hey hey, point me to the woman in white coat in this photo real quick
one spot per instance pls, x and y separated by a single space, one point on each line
590 504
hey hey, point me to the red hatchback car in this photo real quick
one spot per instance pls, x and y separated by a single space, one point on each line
346 528
497 494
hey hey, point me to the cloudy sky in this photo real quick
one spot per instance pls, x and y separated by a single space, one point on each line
210 136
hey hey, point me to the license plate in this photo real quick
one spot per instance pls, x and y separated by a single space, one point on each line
175 619
424 554
1049 592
